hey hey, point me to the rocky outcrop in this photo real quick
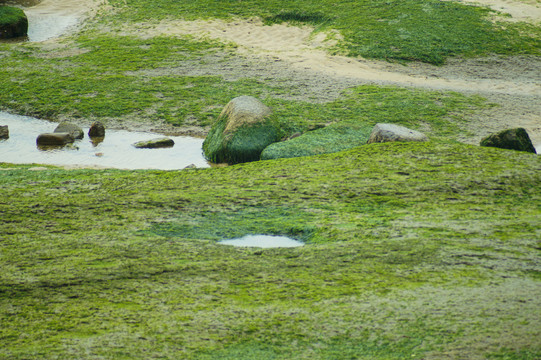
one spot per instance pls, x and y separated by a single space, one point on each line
155 143
54 139
244 128
96 130
74 130
13 22
392 132
4 132
511 139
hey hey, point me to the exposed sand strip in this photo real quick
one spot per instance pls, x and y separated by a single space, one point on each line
522 10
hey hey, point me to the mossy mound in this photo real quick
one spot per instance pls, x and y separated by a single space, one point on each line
244 128
13 22
333 138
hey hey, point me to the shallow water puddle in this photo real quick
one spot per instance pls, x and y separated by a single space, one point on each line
262 241
115 151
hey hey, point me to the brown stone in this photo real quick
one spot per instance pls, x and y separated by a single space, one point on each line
96 130
54 139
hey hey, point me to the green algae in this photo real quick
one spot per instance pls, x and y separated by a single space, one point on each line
413 250
397 30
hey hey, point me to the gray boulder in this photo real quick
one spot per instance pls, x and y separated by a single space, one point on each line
4 132
244 128
392 132
155 143
54 139
74 130
96 130
511 139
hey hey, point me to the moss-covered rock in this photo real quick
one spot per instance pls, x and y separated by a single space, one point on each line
244 128
13 22
511 139
330 139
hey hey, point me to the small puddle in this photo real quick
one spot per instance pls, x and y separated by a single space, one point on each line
262 241
115 151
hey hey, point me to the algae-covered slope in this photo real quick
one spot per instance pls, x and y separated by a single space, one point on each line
412 251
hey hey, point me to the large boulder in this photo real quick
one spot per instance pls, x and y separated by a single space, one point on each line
74 130
392 132
4 132
54 139
97 129
244 128
511 139
164 142
13 22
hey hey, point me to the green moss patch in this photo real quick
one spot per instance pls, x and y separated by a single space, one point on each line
13 22
414 250
400 30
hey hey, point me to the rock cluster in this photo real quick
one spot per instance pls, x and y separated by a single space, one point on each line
66 133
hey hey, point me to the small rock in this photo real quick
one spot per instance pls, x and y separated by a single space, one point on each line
4 132
74 130
511 139
54 139
155 143
392 132
96 130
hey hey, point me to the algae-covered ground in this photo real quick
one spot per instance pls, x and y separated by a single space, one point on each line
412 251
423 251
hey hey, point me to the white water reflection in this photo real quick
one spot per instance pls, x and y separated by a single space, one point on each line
115 151
262 241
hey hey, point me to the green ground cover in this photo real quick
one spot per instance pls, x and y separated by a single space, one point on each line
413 250
110 79
403 30
10 15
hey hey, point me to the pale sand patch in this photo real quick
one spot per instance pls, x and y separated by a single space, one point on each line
300 49
51 18
522 10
